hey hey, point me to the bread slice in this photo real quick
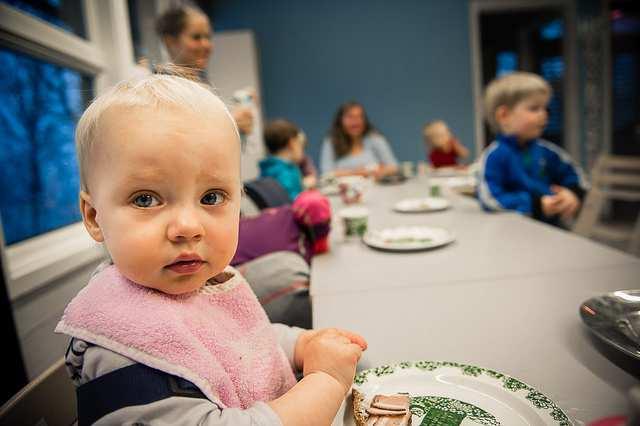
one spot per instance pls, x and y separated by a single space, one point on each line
383 410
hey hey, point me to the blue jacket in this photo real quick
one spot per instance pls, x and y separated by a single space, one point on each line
285 172
514 177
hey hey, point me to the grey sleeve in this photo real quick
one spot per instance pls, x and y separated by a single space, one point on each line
182 411
287 337
382 150
327 157
179 411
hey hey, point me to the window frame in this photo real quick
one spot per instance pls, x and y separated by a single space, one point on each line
35 262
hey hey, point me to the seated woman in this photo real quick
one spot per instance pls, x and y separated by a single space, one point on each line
354 147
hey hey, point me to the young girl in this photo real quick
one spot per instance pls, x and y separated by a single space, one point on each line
169 333
354 147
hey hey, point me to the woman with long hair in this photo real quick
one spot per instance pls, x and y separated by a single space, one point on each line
355 147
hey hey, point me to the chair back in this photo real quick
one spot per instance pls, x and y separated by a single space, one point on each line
267 192
50 399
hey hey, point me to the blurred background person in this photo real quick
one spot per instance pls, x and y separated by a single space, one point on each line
355 147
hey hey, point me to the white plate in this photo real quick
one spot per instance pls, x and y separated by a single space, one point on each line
457 182
447 171
419 205
408 238
329 190
470 395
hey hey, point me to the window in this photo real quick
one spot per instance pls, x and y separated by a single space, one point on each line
56 55
553 30
552 69
527 40
506 62
65 14
625 68
39 105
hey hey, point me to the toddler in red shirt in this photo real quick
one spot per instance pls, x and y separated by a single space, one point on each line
444 148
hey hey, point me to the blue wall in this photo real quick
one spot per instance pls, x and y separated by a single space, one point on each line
407 61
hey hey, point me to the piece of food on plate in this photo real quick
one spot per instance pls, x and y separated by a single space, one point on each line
383 410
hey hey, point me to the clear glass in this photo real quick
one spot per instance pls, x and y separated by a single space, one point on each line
40 104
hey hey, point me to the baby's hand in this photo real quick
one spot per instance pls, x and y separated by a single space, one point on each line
332 351
305 336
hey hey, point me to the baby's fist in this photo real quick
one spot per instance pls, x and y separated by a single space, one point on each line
335 353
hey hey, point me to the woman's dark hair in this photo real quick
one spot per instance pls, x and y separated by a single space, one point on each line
342 142
174 20
278 133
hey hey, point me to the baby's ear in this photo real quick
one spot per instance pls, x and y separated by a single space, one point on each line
89 214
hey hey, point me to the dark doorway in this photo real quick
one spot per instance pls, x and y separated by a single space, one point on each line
527 40
625 73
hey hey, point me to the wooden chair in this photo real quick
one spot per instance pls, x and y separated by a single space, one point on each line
50 400
613 178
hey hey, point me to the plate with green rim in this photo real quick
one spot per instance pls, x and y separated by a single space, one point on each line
446 393
408 238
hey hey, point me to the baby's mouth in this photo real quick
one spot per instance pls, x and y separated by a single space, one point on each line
185 266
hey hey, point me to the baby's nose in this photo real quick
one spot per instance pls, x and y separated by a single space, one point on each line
185 226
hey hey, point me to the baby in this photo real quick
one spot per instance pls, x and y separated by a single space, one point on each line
169 333
444 149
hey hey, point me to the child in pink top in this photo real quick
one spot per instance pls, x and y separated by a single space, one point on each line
169 332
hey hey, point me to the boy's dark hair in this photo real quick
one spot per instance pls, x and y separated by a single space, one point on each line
278 133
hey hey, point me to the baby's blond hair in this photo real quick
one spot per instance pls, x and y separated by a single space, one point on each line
427 130
154 91
509 90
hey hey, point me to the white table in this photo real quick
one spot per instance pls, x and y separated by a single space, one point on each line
504 296
488 245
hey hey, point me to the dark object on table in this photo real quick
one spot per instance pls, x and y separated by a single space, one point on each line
267 192
392 179
615 318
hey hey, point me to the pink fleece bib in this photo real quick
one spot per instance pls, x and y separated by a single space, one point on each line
219 338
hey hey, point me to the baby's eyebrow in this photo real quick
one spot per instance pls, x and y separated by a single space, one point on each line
145 175
216 178
152 175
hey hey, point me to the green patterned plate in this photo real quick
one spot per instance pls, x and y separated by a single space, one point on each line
452 394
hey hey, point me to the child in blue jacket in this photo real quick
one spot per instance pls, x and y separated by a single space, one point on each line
519 170
285 143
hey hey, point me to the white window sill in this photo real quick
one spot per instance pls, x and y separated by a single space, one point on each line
35 262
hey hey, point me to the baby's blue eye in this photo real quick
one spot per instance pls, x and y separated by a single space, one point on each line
146 200
212 198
